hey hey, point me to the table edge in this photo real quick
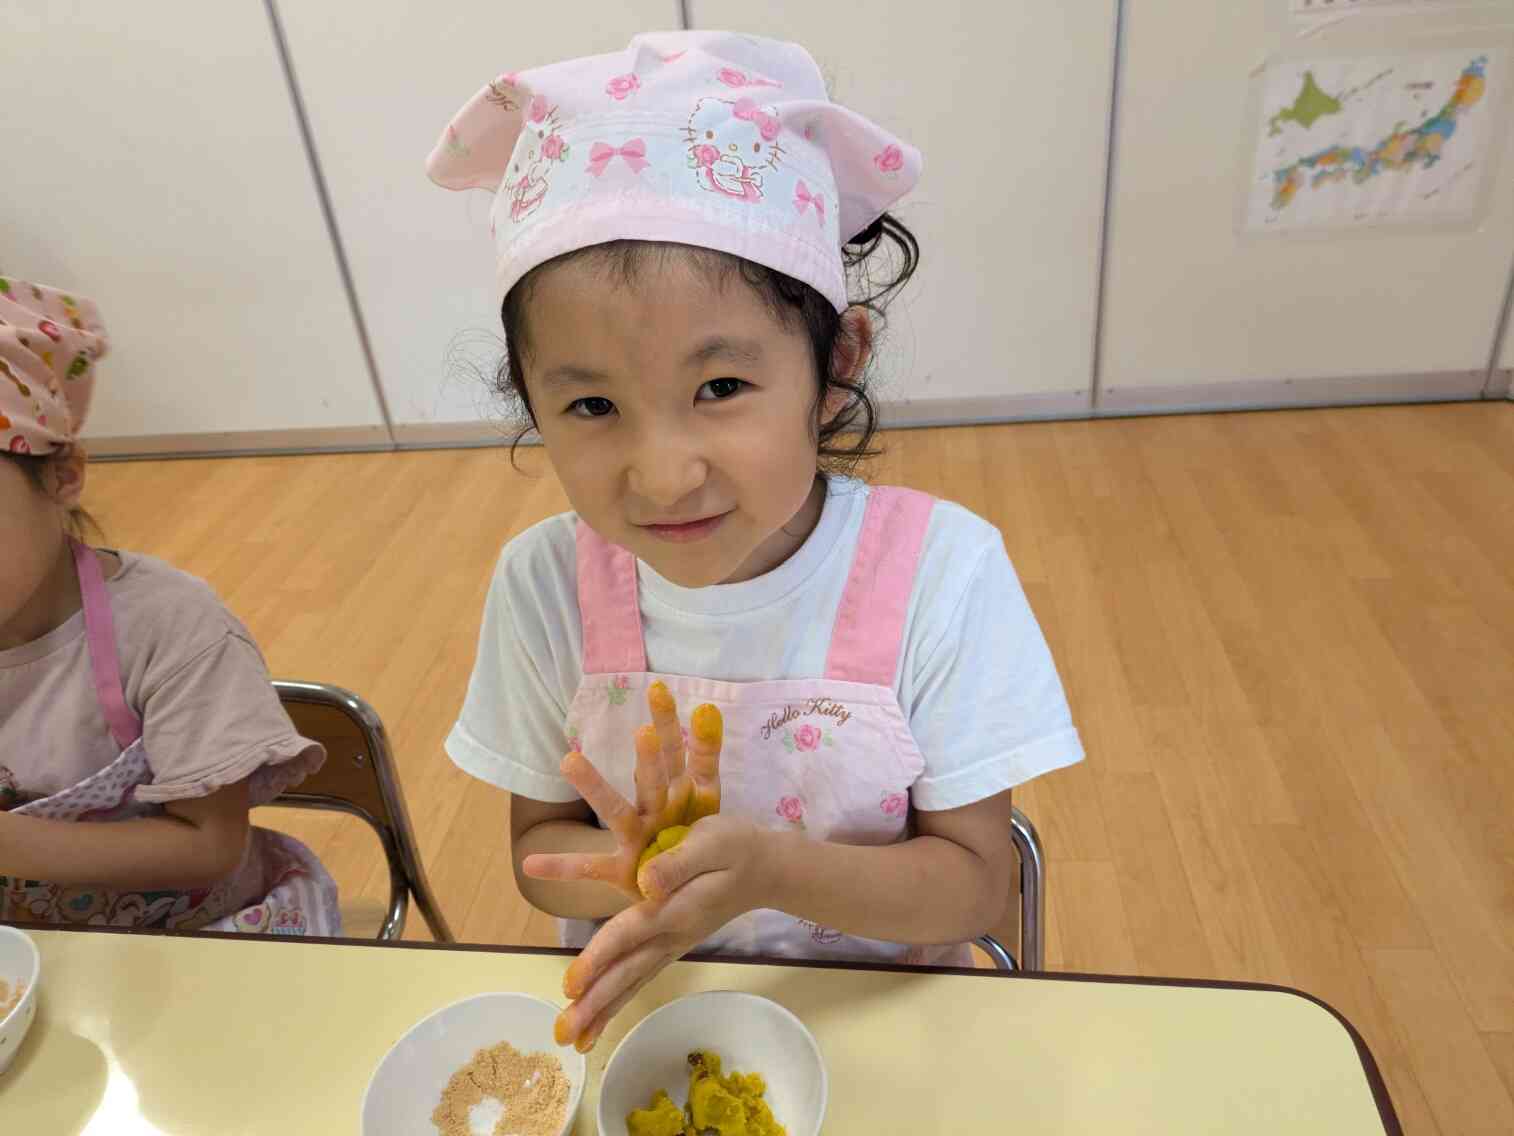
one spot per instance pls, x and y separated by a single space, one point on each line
1380 1096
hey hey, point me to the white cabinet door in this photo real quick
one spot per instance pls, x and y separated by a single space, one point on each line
1009 104
153 162
380 80
1195 313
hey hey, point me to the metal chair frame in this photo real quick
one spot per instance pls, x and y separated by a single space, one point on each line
407 875
1032 902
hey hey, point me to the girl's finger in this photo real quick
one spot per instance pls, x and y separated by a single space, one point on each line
590 1037
570 866
706 736
618 814
621 936
669 732
625 976
651 774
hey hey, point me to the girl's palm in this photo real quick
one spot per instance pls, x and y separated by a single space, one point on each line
677 783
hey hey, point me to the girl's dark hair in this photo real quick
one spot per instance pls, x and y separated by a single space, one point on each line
80 524
879 261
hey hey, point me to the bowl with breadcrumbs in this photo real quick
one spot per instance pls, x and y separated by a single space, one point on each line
20 970
485 1066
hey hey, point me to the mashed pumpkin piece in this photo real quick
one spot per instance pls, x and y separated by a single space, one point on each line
666 840
727 1105
661 1118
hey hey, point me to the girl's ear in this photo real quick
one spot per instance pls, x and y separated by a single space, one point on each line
854 344
849 357
63 476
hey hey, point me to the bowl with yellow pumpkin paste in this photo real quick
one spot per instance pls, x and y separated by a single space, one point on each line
743 1063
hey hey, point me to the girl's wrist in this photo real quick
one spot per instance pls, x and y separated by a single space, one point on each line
775 854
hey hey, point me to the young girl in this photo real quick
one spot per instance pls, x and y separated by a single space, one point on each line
680 332
128 693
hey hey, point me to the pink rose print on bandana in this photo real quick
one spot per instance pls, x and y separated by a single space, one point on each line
575 742
734 78
889 160
731 144
895 804
553 148
618 689
455 145
791 809
623 87
803 199
539 109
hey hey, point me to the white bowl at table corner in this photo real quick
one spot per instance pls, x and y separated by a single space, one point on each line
751 1034
408 1082
19 962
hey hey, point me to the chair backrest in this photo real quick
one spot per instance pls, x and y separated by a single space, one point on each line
359 777
356 749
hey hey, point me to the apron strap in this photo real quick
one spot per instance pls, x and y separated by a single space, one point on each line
869 631
100 634
608 606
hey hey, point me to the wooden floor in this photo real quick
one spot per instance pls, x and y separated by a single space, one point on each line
1288 639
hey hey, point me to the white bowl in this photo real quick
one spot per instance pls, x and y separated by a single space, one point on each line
19 962
751 1035
408 1082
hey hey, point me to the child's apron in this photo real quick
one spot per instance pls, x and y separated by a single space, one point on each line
299 897
832 757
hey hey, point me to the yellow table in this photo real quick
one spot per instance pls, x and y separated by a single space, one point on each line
166 1035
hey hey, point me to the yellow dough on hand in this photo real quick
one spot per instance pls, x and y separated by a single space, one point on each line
669 838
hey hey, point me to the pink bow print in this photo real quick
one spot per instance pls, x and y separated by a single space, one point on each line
748 111
803 197
634 152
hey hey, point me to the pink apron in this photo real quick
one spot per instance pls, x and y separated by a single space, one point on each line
298 896
831 757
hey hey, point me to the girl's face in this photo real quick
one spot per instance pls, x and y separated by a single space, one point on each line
679 415
34 593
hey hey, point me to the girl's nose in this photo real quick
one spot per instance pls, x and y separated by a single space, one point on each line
665 472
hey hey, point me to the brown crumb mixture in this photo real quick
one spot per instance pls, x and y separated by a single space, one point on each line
10 997
532 1088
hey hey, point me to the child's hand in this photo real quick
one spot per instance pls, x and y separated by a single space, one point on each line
720 871
675 785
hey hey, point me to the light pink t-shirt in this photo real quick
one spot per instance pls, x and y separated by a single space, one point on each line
190 670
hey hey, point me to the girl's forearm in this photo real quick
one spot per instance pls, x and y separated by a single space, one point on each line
927 890
148 853
585 899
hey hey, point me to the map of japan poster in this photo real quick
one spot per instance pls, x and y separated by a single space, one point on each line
1377 140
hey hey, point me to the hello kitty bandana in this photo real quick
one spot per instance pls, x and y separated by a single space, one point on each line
49 342
713 139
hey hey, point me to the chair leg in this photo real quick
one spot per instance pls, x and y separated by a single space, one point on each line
997 953
1032 892
430 910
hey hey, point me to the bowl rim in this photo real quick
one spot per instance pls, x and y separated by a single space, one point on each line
578 1084
31 979
784 1011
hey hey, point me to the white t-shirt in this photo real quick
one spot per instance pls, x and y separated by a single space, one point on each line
975 679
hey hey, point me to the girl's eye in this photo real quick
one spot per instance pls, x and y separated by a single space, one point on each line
591 407
719 389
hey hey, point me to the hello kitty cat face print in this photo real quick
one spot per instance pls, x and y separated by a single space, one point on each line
731 141
713 139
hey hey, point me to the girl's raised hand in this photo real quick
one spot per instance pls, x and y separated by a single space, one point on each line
676 784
